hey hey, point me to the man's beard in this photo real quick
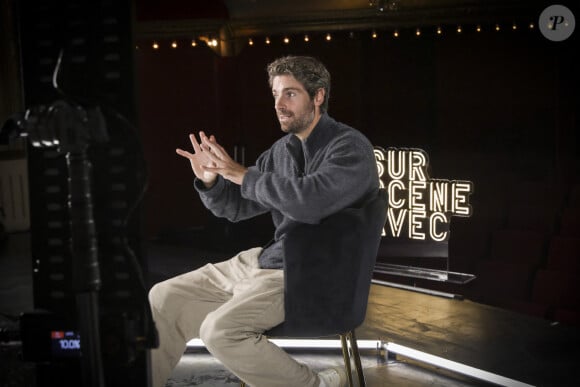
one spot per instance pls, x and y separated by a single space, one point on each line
299 123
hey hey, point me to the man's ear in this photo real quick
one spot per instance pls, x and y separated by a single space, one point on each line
319 97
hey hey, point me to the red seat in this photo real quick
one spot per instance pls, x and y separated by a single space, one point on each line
574 196
558 289
518 246
555 296
570 222
501 283
532 217
567 316
564 254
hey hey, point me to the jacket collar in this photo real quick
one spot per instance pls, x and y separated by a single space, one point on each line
319 137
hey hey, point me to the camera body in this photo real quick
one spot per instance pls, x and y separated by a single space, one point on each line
47 337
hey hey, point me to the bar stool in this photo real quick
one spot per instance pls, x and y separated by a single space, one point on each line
327 271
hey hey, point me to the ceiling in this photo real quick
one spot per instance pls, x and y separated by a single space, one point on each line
236 19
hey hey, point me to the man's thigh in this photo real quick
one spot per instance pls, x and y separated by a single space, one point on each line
257 304
209 283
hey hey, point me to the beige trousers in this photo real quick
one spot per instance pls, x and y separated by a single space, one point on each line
228 305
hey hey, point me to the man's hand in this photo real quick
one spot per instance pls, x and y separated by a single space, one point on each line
221 162
210 159
198 160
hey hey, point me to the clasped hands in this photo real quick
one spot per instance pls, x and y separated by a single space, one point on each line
210 159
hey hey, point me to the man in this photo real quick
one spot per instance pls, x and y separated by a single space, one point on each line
319 168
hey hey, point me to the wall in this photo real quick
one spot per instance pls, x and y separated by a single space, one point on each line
488 107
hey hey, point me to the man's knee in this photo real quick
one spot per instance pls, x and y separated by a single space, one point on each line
210 333
215 334
158 295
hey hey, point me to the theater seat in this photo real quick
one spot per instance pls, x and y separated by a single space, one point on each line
501 283
558 289
532 217
570 222
518 246
564 254
567 316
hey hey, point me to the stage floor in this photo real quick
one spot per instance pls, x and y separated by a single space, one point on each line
505 343
198 368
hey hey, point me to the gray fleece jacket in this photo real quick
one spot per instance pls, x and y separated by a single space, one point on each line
338 170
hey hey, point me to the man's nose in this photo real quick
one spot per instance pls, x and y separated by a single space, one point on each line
278 103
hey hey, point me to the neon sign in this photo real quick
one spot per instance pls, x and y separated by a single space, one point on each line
419 207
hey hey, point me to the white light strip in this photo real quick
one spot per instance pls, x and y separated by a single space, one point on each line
307 343
454 366
195 343
394 348
323 344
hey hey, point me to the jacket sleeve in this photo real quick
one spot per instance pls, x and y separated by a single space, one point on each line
346 174
224 200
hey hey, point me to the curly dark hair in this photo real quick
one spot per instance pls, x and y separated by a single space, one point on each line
309 71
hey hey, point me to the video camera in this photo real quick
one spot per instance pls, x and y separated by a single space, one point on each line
99 331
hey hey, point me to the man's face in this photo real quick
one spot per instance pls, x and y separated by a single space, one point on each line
294 107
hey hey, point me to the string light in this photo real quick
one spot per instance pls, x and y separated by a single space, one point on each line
287 39
210 42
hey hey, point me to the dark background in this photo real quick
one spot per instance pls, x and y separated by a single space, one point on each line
496 108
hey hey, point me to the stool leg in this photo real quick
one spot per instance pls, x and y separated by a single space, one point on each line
357 362
242 384
346 356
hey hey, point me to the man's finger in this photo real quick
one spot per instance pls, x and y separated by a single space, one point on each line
194 143
184 153
210 153
215 148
